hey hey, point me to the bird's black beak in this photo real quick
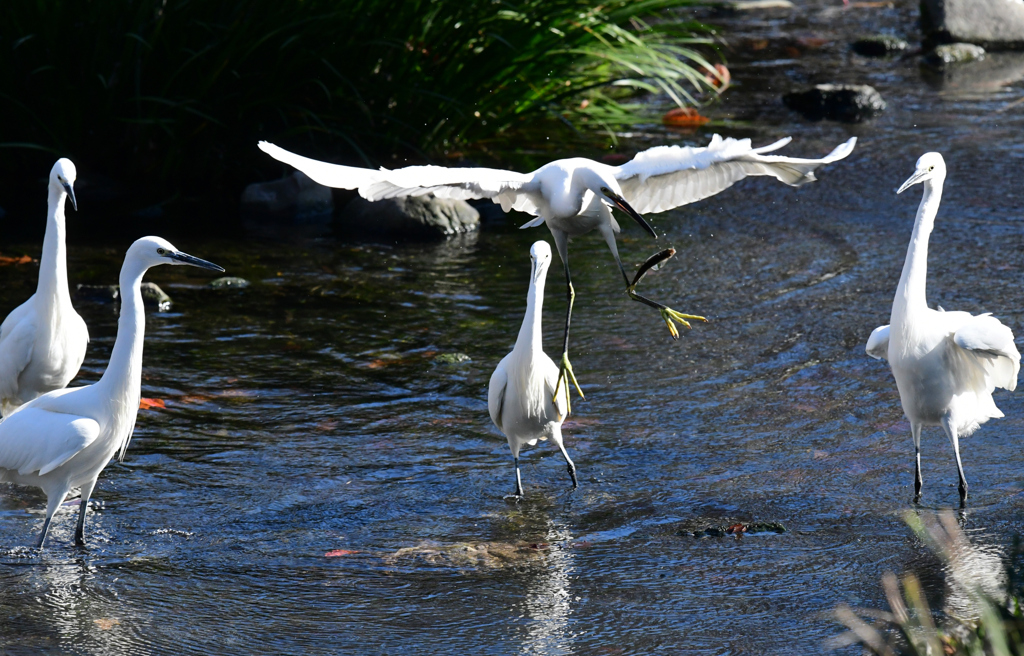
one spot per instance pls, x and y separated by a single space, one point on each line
71 194
621 203
185 258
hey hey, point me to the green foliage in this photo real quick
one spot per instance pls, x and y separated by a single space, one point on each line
996 623
178 91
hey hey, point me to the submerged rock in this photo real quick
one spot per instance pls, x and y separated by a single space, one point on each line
745 5
849 103
452 358
988 75
472 555
97 293
955 53
994 23
152 295
879 45
419 218
229 282
719 527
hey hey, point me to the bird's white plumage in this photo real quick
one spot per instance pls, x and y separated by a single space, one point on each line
667 177
43 341
657 179
521 394
38 440
64 438
878 343
946 364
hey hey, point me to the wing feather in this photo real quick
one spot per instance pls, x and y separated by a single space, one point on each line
509 189
878 343
15 354
986 336
37 440
496 393
666 177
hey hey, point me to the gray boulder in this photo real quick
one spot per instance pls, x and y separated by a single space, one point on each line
988 75
293 197
419 218
848 103
992 23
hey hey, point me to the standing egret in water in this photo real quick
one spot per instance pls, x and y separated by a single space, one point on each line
64 439
43 340
522 396
946 364
575 196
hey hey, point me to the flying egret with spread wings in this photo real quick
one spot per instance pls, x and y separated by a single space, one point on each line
63 439
946 364
43 340
575 196
521 396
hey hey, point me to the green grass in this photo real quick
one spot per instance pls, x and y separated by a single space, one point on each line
993 622
174 93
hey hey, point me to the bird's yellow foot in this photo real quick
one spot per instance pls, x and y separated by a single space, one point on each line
671 316
565 373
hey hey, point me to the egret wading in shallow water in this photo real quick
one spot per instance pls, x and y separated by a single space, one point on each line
43 340
522 396
63 440
575 196
946 364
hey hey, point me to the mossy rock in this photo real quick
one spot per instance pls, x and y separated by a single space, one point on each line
452 358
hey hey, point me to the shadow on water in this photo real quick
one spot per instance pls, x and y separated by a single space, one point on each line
318 482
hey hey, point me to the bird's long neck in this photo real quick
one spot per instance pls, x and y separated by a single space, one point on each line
53 265
530 340
122 381
910 294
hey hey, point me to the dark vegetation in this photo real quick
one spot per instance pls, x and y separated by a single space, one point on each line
170 96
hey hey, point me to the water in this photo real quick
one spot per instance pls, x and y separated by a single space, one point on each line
306 415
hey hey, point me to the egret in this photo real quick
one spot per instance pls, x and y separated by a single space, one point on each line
575 196
63 439
43 340
946 364
522 397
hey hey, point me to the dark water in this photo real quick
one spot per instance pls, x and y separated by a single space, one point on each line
306 414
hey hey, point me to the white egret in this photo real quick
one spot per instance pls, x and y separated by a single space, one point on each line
574 196
521 397
63 439
43 340
946 364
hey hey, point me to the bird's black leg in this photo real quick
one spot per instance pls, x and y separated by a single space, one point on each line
568 463
669 315
915 429
80 527
565 372
519 484
955 441
52 504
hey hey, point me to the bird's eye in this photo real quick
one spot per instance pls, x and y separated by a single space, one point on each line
161 251
931 168
605 190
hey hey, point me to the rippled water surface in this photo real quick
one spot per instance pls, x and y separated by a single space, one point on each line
307 414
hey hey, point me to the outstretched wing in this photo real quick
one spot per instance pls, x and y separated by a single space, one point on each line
665 177
510 189
496 394
878 343
986 337
37 440
15 354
